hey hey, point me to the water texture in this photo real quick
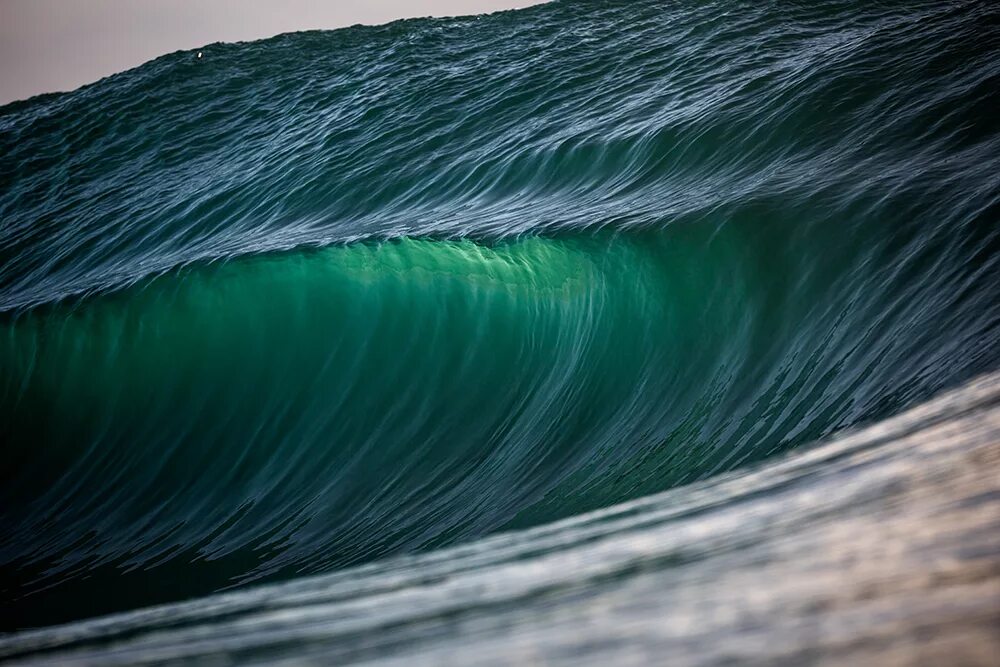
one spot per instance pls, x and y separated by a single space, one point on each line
879 546
312 301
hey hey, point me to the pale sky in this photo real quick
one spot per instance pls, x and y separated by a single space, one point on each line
57 45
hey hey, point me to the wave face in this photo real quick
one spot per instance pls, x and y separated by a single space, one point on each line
310 301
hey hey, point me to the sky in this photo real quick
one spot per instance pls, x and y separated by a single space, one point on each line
57 45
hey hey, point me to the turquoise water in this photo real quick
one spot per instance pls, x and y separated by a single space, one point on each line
317 300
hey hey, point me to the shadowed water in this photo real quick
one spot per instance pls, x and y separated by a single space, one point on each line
878 547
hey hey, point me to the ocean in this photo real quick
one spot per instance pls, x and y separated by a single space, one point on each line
314 304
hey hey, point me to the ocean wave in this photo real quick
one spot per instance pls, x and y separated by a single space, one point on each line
308 302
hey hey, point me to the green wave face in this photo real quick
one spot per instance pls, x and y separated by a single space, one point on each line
474 377
321 299
308 410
